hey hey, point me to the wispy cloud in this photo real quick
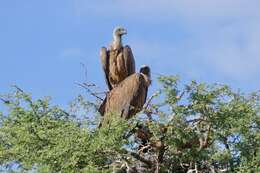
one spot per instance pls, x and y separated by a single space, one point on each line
224 35
71 53
163 9
234 52
231 51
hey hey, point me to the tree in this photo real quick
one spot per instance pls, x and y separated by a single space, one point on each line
195 127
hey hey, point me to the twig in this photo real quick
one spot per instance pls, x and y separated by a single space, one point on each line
5 101
85 86
28 100
85 68
147 111
182 94
196 120
150 100
19 89
143 148
89 84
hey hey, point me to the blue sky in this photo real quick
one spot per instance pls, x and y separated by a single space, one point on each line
43 43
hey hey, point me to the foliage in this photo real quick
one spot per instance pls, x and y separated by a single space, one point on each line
200 127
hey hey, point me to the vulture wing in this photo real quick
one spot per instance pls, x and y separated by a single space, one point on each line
129 60
104 55
139 97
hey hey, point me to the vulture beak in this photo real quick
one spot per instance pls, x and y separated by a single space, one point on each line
124 32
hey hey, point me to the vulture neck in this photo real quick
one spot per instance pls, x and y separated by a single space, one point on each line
117 42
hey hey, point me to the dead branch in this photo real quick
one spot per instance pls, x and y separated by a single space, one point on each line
140 158
143 148
5 101
86 86
150 100
147 111
17 88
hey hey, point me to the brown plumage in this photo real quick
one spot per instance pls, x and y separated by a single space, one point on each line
117 61
128 97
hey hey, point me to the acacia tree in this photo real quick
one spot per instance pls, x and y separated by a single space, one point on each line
191 128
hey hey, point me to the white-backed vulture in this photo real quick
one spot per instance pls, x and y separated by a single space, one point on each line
129 96
117 61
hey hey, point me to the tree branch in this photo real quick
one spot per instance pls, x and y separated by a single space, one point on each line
140 158
5 101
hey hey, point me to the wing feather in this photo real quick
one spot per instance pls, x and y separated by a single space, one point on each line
139 97
129 60
104 55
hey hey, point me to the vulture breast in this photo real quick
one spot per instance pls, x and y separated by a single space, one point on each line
117 68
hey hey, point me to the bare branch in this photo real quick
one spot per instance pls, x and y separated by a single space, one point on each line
150 100
85 68
140 158
181 95
19 89
86 86
5 101
143 148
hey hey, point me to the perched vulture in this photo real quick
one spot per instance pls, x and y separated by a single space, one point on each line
128 97
117 61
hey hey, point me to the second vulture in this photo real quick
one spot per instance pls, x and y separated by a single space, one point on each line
128 97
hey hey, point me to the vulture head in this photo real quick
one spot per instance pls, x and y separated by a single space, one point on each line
146 71
119 31
117 38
